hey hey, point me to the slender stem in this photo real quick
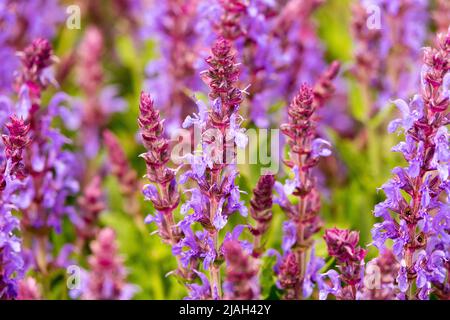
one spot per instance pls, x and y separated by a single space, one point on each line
354 291
42 254
168 213
302 251
215 271
257 242
410 249
301 229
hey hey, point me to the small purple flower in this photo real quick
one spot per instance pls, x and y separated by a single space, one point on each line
312 273
402 278
199 291
289 235
320 148
333 286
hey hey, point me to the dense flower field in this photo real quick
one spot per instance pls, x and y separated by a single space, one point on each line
225 149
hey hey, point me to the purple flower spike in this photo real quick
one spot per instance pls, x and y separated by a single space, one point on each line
387 48
91 203
51 169
416 208
306 149
163 190
120 166
261 210
343 246
11 174
241 282
216 195
106 279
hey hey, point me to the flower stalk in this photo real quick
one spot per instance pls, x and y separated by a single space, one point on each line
415 208
213 167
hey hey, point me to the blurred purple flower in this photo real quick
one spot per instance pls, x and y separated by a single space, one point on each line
385 54
241 281
106 279
172 24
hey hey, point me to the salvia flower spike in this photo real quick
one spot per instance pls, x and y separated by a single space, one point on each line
416 206
163 189
303 222
216 196
106 279
261 210
241 281
11 175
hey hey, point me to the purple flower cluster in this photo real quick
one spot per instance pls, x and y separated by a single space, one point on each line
106 279
45 152
173 25
21 25
11 175
415 214
241 281
35 60
277 45
261 210
343 246
213 168
388 43
50 168
255 56
100 101
14 144
306 148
